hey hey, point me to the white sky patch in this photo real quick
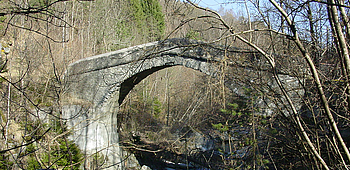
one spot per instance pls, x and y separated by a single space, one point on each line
235 6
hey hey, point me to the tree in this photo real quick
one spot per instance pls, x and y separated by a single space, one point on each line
148 18
286 21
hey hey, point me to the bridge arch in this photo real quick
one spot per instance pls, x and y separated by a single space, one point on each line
96 86
127 84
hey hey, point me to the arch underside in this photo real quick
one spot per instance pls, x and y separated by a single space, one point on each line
130 83
168 61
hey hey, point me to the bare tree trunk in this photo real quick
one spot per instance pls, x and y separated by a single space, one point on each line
345 19
167 98
8 104
316 76
249 20
346 58
340 36
314 43
336 41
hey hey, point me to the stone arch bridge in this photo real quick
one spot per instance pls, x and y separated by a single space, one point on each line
96 86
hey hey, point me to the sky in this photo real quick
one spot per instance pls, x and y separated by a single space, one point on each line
216 4
213 4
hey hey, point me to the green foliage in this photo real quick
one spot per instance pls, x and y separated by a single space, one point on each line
35 128
3 18
148 17
247 91
232 111
68 153
265 161
123 30
157 107
39 3
32 163
273 131
233 105
221 127
62 152
58 128
250 142
138 12
225 111
193 35
97 160
5 163
242 124
63 155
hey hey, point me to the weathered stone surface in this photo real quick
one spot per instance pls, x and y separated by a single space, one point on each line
144 167
96 86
